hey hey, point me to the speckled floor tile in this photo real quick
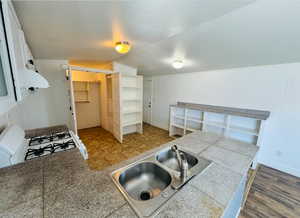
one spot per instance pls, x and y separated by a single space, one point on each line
234 161
104 150
218 182
238 146
97 197
28 209
190 202
124 212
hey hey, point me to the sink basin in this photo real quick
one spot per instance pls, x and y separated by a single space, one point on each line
145 181
149 183
169 159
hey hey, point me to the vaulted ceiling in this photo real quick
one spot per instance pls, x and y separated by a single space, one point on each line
205 34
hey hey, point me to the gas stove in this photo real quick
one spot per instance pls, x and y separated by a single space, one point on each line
49 144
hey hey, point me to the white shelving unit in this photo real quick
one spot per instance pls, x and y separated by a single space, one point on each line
241 124
131 104
81 91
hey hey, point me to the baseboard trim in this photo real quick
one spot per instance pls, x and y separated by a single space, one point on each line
282 167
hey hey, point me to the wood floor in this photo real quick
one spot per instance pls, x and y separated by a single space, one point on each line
273 194
104 150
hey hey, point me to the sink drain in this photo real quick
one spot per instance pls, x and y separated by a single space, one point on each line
145 195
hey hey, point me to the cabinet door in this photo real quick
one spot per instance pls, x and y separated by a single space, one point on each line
116 106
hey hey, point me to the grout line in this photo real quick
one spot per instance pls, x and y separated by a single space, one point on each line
116 210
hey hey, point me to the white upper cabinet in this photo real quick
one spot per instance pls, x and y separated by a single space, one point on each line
20 54
7 97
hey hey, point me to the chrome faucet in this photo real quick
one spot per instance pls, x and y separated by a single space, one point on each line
182 163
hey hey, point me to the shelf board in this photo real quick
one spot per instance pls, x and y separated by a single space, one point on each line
179 117
131 87
194 120
191 129
243 130
177 125
131 123
214 123
80 90
132 99
82 101
131 111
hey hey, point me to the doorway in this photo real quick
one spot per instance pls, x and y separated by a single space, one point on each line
87 110
147 100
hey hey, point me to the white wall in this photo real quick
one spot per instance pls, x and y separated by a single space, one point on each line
47 107
275 88
88 113
124 69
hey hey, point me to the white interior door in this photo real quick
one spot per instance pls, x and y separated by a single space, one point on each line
147 101
72 103
116 107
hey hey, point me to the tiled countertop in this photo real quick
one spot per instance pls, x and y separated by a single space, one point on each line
62 185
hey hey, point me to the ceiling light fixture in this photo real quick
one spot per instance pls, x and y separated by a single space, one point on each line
177 64
122 47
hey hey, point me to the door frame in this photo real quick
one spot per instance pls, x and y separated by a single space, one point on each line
151 96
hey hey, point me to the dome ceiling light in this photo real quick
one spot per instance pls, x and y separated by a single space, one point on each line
177 64
122 47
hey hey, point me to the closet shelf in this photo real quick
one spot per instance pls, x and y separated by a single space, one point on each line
130 123
130 111
132 99
130 87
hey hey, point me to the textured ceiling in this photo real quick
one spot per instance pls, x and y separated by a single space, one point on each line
205 34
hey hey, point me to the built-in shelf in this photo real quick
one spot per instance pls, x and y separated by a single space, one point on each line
82 101
130 111
194 120
130 123
131 87
131 99
244 130
131 104
241 124
215 123
179 117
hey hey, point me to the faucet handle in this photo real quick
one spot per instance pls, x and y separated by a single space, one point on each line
174 147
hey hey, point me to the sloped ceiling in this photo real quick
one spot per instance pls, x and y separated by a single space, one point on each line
205 34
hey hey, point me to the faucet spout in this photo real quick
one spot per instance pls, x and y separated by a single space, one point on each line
182 163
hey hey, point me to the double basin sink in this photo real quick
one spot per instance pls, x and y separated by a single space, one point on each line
149 183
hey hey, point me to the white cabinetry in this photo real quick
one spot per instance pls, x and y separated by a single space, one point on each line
132 103
241 124
127 99
20 54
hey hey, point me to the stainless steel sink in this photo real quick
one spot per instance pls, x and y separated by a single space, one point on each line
145 181
148 183
168 158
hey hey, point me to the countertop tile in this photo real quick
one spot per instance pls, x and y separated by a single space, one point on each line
238 146
97 197
237 162
208 137
21 184
218 182
124 212
62 171
191 202
30 208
